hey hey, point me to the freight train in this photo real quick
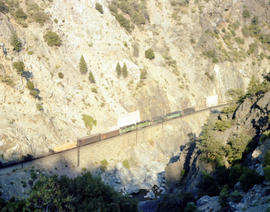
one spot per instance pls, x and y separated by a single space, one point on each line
102 136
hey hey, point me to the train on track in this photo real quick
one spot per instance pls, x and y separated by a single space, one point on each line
103 136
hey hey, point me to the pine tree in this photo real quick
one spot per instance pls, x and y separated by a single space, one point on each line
91 77
118 70
83 66
124 71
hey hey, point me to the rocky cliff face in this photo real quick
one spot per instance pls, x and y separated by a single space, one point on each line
200 51
251 117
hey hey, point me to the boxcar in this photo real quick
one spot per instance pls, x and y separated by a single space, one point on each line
157 119
89 139
109 134
143 124
127 129
189 110
173 115
64 147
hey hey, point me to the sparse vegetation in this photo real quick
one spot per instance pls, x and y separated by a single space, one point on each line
83 66
52 39
125 71
246 13
135 11
126 164
19 66
91 77
20 14
149 54
104 164
118 70
60 75
143 74
89 121
83 193
7 80
15 42
3 7
99 8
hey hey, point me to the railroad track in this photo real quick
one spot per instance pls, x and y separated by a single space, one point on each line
101 137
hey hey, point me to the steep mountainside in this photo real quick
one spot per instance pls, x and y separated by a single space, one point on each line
197 49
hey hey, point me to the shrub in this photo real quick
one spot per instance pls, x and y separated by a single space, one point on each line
236 147
40 17
223 196
249 178
91 77
177 202
266 158
123 22
99 8
208 185
222 125
15 42
124 71
3 8
235 173
82 65
39 107
149 54
89 121
19 66
52 39
246 13
143 74
20 14
60 75
6 79
104 163
118 70
83 193
30 85
266 171
236 196
126 164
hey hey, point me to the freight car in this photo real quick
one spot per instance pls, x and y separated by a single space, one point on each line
173 115
110 134
127 129
64 147
158 119
189 110
88 140
143 124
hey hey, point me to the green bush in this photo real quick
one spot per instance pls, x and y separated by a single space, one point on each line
15 42
99 8
149 54
34 93
124 71
60 75
3 8
89 121
52 39
267 172
126 164
235 173
249 178
177 202
30 85
222 125
83 193
246 13
40 17
118 70
235 196
91 77
223 196
82 65
266 158
20 14
125 23
208 185
143 74
19 66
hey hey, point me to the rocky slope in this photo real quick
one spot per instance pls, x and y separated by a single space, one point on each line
230 173
200 51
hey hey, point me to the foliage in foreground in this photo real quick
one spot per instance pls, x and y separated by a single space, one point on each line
84 193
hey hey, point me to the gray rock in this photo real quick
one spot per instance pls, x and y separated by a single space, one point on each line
207 203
